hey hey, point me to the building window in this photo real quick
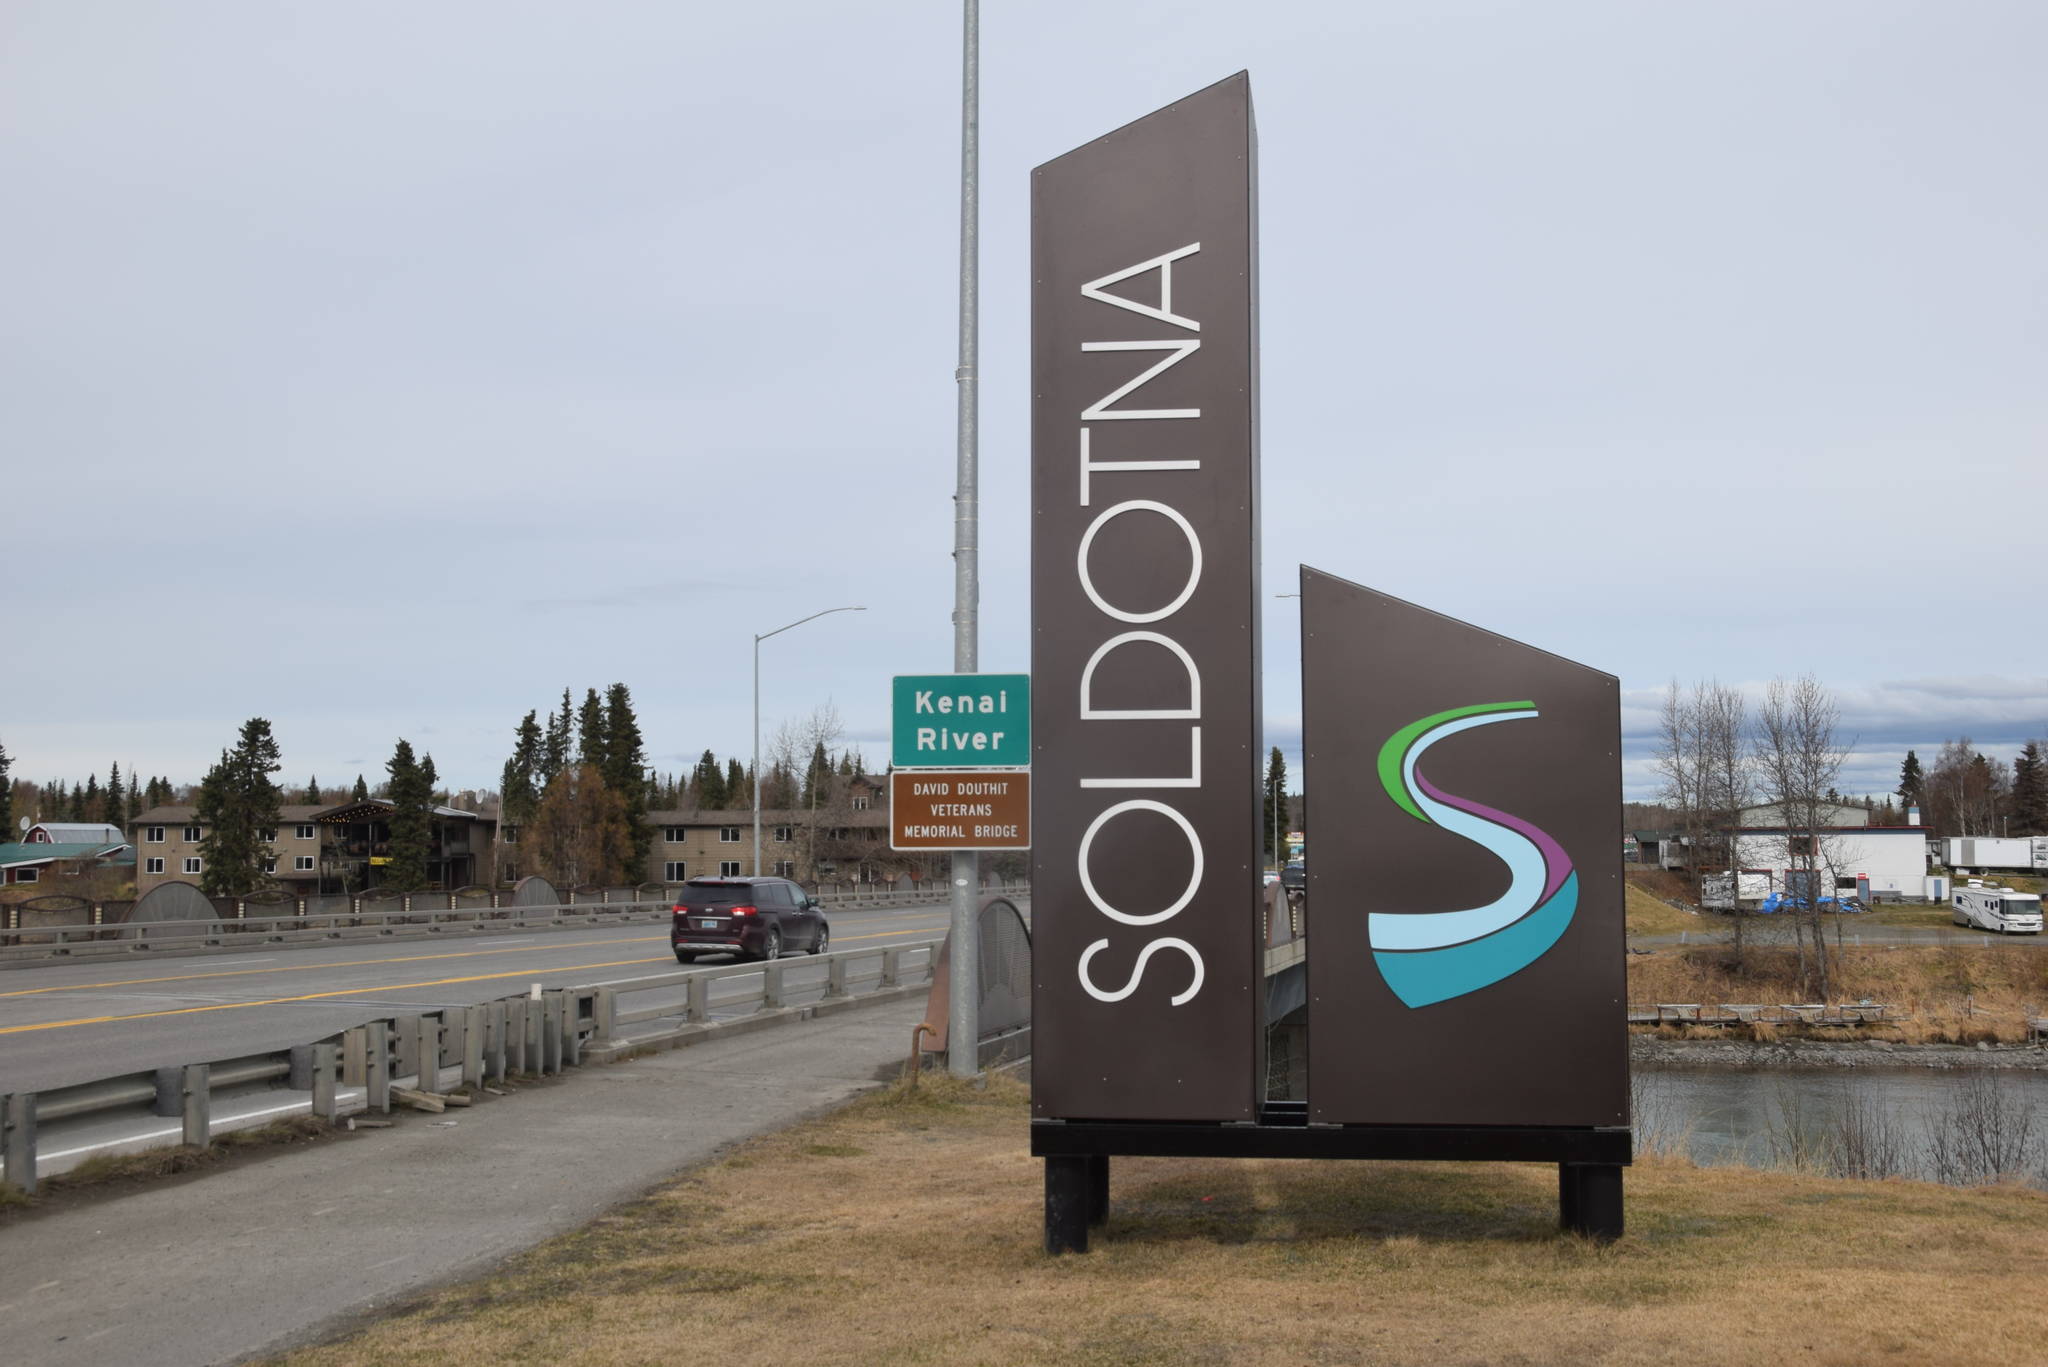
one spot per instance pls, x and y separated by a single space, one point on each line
675 835
29 875
675 871
303 863
728 868
785 868
729 835
860 804
191 864
192 835
1799 844
511 834
784 834
153 835
155 865
267 835
304 832
270 863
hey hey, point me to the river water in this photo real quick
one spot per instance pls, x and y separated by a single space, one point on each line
1958 1125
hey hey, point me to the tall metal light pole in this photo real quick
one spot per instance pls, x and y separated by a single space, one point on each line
963 1028
756 785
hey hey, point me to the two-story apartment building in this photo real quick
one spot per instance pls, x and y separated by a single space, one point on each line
316 849
166 841
849 843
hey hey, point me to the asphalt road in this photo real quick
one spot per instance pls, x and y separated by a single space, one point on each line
67 1023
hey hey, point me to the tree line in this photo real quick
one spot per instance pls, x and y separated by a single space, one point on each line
1966 793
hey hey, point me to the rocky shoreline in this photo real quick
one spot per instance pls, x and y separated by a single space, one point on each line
1650 1051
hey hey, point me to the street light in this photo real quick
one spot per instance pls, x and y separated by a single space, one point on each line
757 718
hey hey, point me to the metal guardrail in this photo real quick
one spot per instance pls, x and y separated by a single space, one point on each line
540 1033
126 938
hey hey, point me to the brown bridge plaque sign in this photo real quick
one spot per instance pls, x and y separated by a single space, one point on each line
1454 898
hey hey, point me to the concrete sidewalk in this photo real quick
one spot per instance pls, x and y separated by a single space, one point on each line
254 1259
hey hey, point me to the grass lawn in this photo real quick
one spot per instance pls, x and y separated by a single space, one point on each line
906 1229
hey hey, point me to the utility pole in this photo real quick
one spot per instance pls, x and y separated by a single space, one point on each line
963 1007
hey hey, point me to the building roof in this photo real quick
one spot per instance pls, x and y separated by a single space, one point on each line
744 816
51 852
288 813
360 811
76 832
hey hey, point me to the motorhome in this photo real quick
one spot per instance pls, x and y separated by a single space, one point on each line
1984 907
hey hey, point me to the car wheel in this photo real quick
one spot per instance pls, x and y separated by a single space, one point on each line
683 958
771 948
824 939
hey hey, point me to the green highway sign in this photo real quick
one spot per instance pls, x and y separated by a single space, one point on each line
961 721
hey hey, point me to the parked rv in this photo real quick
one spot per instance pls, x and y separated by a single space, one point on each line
1984 907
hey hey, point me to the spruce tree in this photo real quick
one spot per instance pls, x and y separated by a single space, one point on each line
361 792
624 770
590 731
709 784
237 802
817 777
432 779
1276 804
114 806
411 820
134 795
88 804
2029 791
736 794
312 798
519 784
6 797
554 750
1911 781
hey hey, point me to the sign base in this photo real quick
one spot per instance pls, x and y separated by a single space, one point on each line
1077 1154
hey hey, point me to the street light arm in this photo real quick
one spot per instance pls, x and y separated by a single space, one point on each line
756 779
801 620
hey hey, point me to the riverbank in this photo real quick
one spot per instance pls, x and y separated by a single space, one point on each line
1955 994
1655 1050
906 1229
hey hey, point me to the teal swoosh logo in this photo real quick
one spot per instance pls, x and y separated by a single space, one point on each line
1432 956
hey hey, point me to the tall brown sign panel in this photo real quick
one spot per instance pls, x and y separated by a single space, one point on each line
1464 872
1145 619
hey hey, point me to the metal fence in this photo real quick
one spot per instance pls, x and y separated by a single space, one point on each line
359 918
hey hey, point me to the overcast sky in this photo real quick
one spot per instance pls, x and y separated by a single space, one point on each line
383 368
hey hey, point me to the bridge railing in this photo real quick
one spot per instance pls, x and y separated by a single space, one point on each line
403 922
430 1054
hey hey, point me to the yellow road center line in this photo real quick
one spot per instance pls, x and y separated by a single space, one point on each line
309 997
314 968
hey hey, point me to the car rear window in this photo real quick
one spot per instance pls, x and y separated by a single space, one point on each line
716 895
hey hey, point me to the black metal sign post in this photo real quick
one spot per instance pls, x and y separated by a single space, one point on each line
1148 967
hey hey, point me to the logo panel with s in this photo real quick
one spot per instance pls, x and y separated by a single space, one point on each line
1432 956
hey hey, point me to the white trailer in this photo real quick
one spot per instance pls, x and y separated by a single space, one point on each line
1983 907
1985 852
1750 888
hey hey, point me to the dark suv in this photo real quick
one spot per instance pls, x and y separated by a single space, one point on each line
755 918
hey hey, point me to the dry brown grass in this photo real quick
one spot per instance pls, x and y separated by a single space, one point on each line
908 1232
1645 913
1956 994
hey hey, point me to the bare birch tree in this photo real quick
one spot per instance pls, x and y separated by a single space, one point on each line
1682 763
1727 780
1799 762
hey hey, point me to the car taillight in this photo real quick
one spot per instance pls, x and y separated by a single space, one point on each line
743 911
680 908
